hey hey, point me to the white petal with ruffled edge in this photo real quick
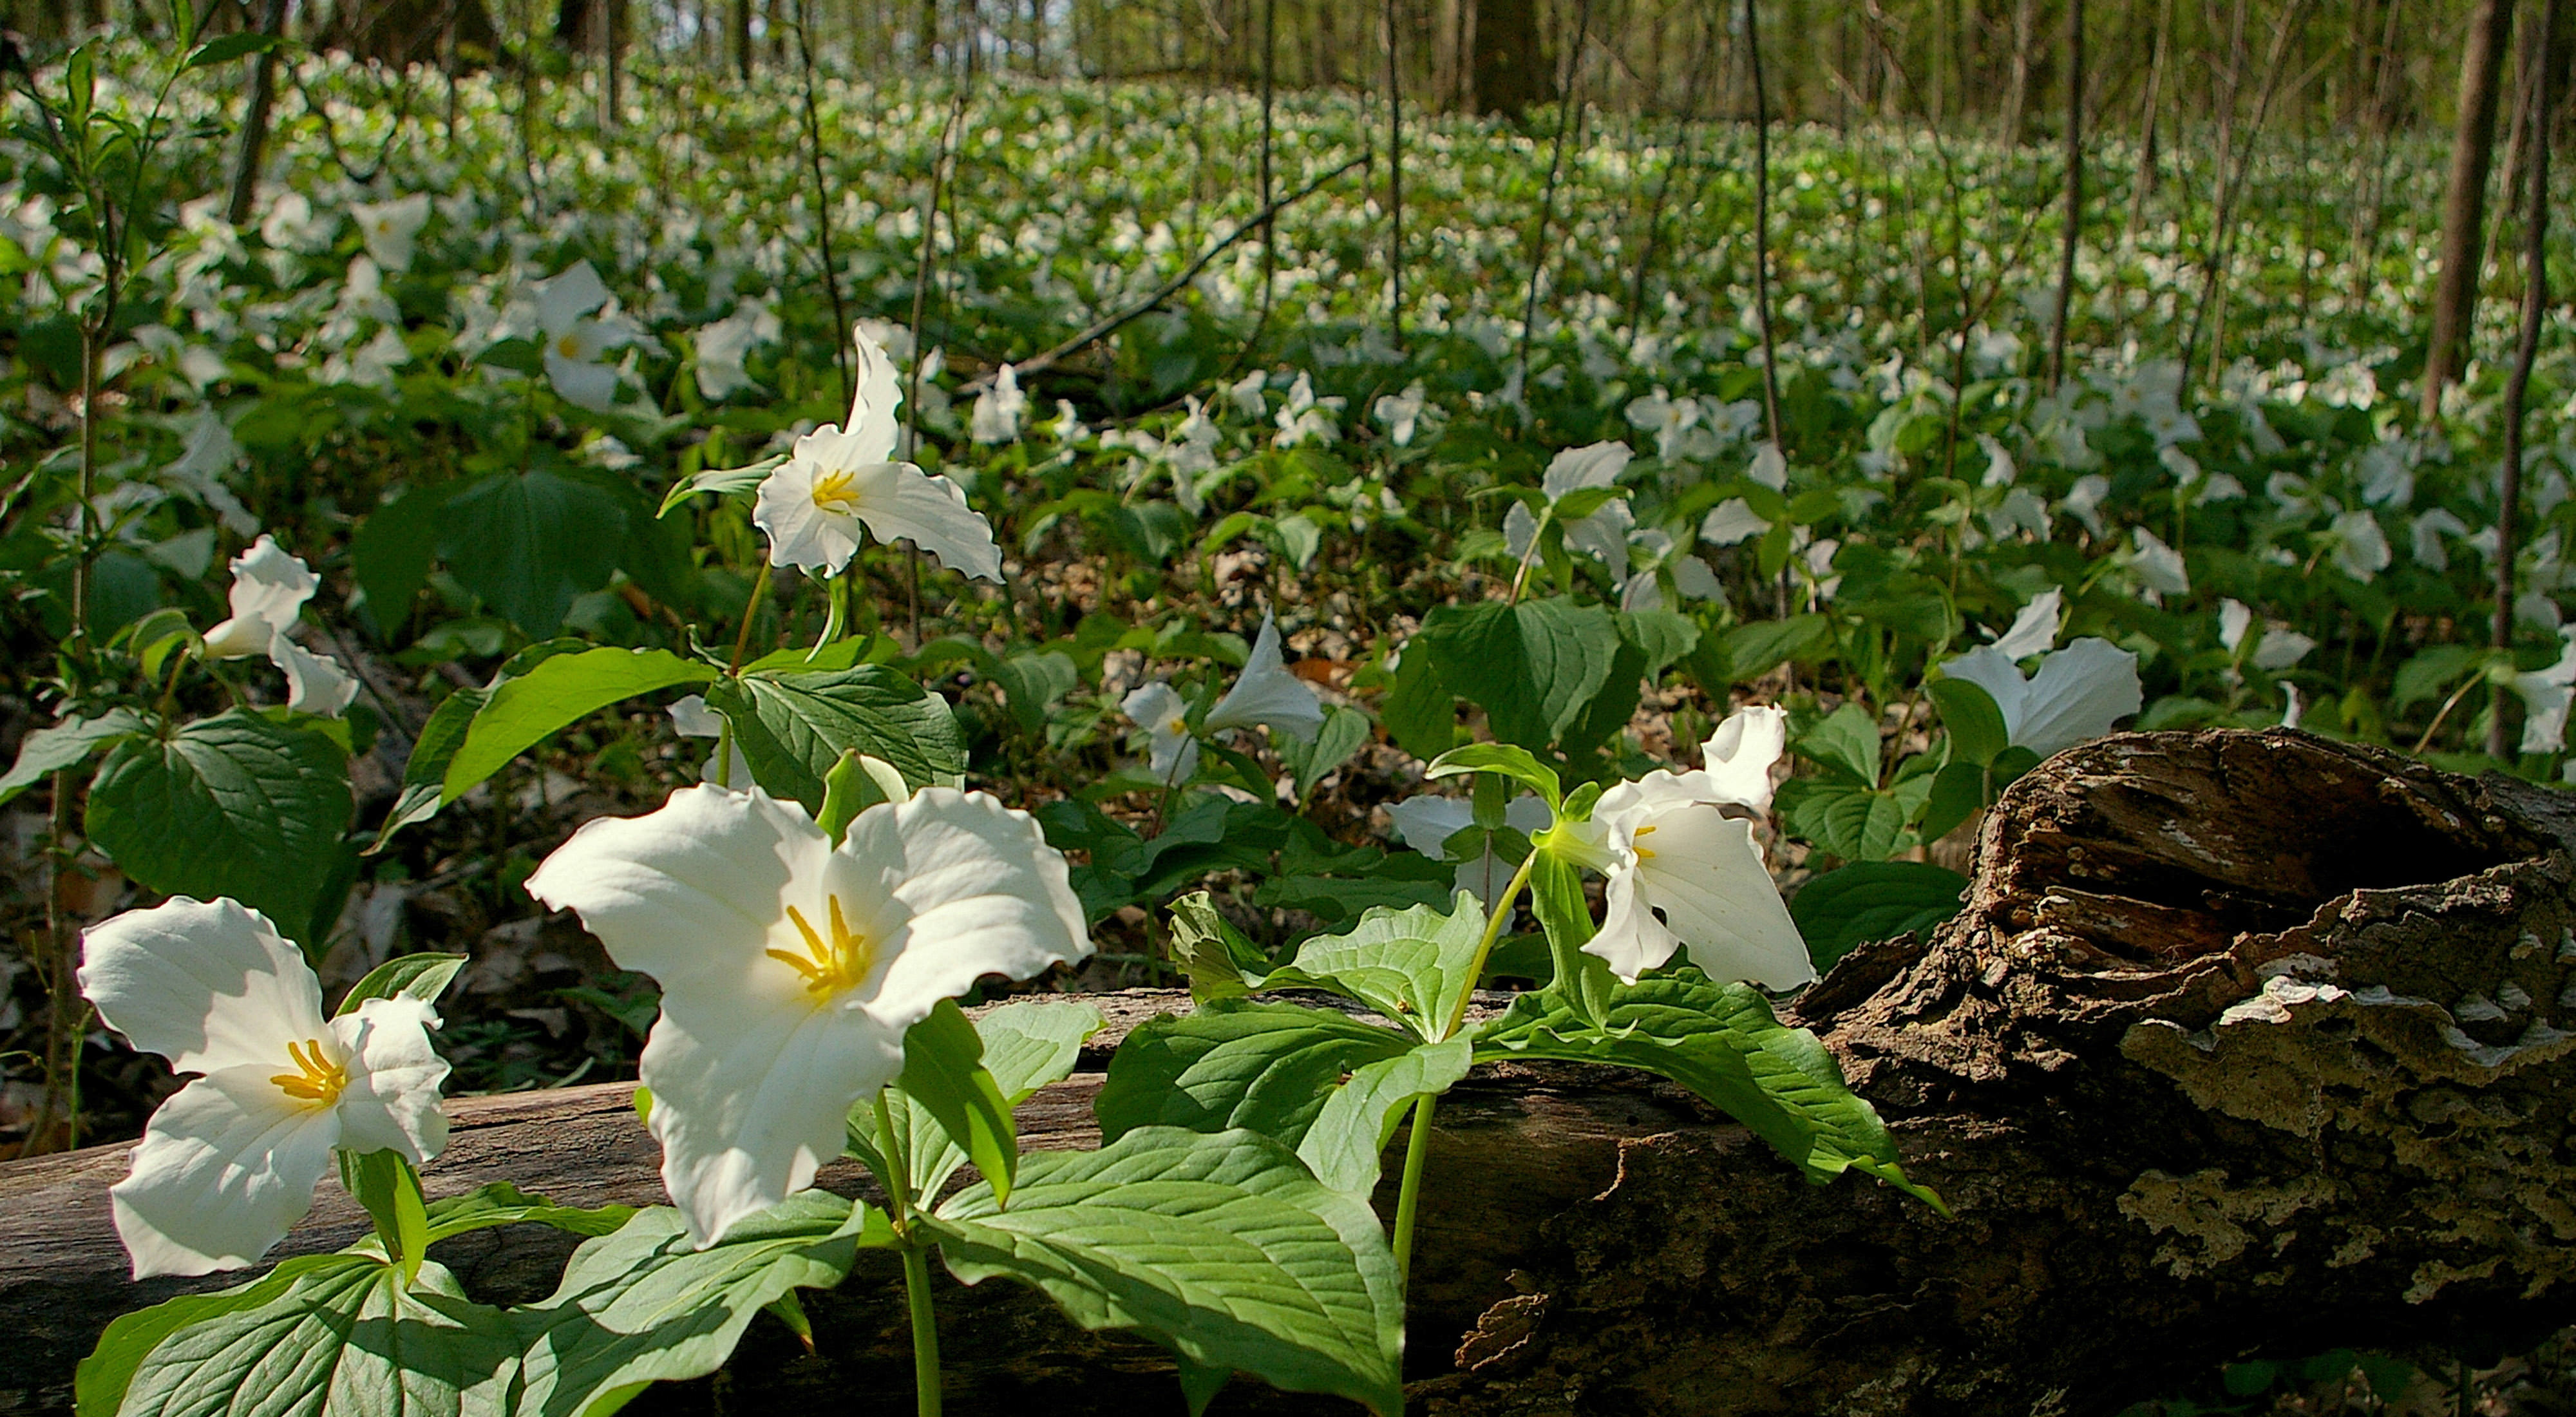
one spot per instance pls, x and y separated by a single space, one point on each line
225 1168
986 894
1267 693
268 591
2077 694
931 512
2034 630
207 985
315 683
391 1102
1736 760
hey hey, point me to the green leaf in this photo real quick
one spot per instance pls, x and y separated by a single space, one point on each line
46 751
417 976
1976 726
1346 1146
856 783
1213 954
1872 900
1846 741
1958 790
344 1337
944 1074
1311 760
1413 966
391 553
1721 1042
1557 899
1534 667
387 1187
223 49
1036 683
793 726
1419 712
1032 1043
1221 1248
560 691
1518 764
1754 650
1663 636
1846 819
1267 1066
500 1203
528 543
233 805
723 481
425 773
642 1305
98 1386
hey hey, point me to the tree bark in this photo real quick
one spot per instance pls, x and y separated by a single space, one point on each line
2455 290
250 148
1508 65
399 32
2244 1043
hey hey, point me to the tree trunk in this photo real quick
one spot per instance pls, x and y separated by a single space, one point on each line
2073 236
2017 91
251 147
399 32
2455 290
1508 65
2244 1043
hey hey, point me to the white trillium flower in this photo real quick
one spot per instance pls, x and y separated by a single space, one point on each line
1267 693
1770 467
791 969
1247 395
2546 694
2159 567
1683 875
722 345
1401 413
2074 696
691 718
269 591
2361 547
2034 630
228 1165
2426 537
2084 500
315 683
1159 709
390 228
1731 521
836 482
574 343
998 410
1305 418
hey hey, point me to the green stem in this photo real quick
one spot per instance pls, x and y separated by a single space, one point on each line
1485 946
897 1183
750 612
925 1330
1416 1151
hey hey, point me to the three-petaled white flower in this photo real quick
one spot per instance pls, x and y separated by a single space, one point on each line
1601 533
791 968
2074 696
998 410
268 593
1267 693
575 343
840 480
390 228
1686 875
1427 821
1159 709
228 1164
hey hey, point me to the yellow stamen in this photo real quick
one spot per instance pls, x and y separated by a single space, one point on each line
569 347
837 492
317 1080
1643 853
843 963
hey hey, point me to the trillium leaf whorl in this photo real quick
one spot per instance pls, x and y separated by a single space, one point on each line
229 1164
790 968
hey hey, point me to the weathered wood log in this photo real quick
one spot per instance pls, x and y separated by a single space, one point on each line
2243 1041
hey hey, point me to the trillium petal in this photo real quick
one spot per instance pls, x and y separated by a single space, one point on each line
1992 670
391 1102
2077 694
751 1091
873 426
931 513
225 1168
1596 465
987 895
1631 940
2034 630
315 683
1267 693
693 893
582 383
268 591
1424 823
568 295
209 986
1707 882
1738 757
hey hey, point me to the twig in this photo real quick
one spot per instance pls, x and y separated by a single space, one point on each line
1101 329
1555 166
2535 305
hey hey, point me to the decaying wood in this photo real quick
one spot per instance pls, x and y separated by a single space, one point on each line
2244 1042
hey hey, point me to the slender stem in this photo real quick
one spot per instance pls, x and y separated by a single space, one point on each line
841 351
750 612
1416 1150
1762 222
1485 946
897 1179
925 1330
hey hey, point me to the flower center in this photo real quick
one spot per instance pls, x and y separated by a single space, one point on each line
317 1080
1643 853
828 967
838 492
1176 725
568 346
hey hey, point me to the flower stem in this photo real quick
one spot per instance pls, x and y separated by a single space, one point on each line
1485 946
925 1330
750 612
1416 1150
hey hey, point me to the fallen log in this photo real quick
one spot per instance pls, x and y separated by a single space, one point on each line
2243 1042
